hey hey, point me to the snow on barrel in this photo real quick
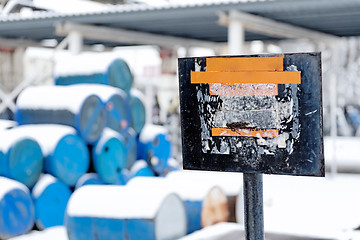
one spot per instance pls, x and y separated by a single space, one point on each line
16 209
21 157
62 105
93 68
7 124
89 179
116 102
138 111
52 233
141 169
121 212
205 203
230 183
155 147
66 154
50 199
109 156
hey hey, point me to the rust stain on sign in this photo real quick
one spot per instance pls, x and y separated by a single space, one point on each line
244 132
243 89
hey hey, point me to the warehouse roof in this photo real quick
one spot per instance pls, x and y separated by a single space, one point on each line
195 21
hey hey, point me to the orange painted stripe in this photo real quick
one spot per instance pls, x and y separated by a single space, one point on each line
246 77
243 132
243 89
231 64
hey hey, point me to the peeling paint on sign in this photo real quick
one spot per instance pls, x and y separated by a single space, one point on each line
252 109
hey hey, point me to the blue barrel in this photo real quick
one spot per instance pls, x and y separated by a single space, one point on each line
50 199
121 212
131 141
141 168
138 111
118 111
124 177
154 146
89 179
94 68
109 156
66 154
63 105
16 209
21 157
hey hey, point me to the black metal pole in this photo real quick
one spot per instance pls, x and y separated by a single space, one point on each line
253 206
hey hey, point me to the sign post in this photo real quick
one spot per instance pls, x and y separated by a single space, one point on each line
252 114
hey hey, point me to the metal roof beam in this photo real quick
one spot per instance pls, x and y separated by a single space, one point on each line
266 26
108 34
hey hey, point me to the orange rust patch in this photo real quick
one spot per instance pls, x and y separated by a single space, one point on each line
245 64
244 132
289 77
243 89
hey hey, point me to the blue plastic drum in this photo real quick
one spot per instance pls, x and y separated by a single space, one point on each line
50 199
109 155
138 111
16 209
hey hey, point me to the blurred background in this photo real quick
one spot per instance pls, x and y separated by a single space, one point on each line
89 96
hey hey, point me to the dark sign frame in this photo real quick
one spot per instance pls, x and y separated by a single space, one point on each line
302 153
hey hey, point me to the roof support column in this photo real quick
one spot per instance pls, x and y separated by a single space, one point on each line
75 42
236 34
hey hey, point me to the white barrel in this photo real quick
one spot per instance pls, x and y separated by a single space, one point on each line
66 154
205 204
50 199
21 157
16 209
65 105
118 212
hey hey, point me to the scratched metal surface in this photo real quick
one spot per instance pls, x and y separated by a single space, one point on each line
296 112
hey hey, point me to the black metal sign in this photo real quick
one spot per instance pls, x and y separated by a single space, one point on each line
253 114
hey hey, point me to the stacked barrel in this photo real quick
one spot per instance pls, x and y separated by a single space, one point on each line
89 129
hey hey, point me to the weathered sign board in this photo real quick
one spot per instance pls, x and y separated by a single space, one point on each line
252 114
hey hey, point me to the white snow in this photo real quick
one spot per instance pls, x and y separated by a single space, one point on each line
47 135
4 124
52 98
230 183
44 181
150 131
139 164
8 185
84 178
185 188
11 136
83 63
217 232
71 6
104 92
119 202
52 233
